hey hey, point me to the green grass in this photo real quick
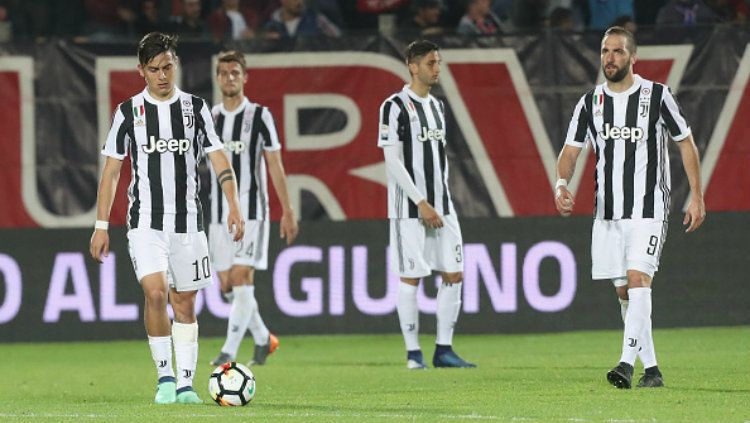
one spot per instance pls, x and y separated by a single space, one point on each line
521 378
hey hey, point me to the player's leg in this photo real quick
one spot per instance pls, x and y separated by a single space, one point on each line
190 270
444 251
643 244
149 254
256 232
408 317
648 238
407 237
225 286
222 251
646 353
185 338
239 314
158 329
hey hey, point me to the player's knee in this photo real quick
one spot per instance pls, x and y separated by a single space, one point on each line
638 279
155 297
241 275
451 278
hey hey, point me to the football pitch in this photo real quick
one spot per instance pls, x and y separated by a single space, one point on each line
362 378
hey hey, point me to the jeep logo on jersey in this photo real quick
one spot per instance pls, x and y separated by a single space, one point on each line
235 146
624 133
162 146
431 134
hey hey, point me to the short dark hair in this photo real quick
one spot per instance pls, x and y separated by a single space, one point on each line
631 45
154 44
418 49
232 56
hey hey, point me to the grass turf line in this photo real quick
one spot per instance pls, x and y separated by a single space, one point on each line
522 378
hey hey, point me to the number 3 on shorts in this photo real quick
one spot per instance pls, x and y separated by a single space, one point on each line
652 243
201 267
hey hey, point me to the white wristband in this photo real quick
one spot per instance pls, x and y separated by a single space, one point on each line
561 183
101 224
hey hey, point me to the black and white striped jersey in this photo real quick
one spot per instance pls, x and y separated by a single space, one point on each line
418 124
247 132
165 140
629 133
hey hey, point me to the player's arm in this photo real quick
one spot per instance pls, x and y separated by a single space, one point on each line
288 227
227 182
578 133
269 138
679 131
99 245
566 166
395 167
696 210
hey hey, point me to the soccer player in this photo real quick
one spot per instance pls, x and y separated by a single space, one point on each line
628 119
250 139
166 132
424 230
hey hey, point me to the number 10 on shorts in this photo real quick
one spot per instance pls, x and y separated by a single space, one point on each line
203 268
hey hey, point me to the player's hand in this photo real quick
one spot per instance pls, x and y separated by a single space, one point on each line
236 224
99 246
695 214
430 216
564 201
288 227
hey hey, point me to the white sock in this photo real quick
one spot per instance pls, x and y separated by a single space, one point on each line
448 307
239 317
637 319
623 308
408 315
185 337
161 352
647 354
255 325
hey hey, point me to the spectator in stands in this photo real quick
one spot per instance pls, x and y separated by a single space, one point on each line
330 8
190 24
229 23
147 19
425 18
562 19
479 20
627 22
730 11
292 19
529 14
604 12
108 19
686 13
646 11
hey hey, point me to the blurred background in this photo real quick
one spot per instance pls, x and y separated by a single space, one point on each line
512 72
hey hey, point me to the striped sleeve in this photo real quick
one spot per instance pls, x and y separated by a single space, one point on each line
388 127
118 136
672 117
267 131
578 129
212 142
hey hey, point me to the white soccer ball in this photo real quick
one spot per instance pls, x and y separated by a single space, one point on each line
232 384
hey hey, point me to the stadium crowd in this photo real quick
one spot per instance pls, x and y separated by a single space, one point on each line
225 20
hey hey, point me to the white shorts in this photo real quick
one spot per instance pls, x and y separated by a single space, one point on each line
184 257
626 244
416 250
251 251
